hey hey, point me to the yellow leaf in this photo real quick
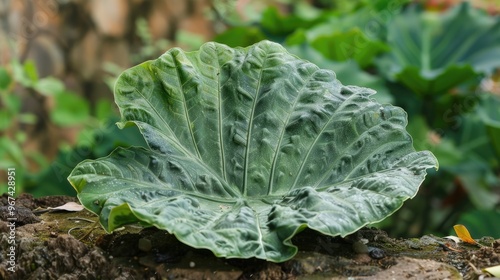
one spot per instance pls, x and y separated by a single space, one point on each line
464 234
494 270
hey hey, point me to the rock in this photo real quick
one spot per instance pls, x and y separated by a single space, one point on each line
110 16
197 25
63 257
23 200
314 263
160 26
47 56
23 215
84 57
144 245
116 52
53 201
179 9
408 268
195 274
376 253
360 247
196 22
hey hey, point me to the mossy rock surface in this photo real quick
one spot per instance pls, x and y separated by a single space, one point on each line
48 247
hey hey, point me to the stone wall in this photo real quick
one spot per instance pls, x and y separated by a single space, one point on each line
73 40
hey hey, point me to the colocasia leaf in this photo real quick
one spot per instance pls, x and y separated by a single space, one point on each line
247 147
433 53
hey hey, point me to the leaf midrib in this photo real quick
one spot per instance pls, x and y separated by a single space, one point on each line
220 115
250 125
184 104
278 146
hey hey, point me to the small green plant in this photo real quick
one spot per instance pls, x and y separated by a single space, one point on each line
248 147
69 110
36 172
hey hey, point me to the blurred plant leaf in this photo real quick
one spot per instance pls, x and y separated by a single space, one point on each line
5 79
494 134
70 109
6 119
475 168
478 189
99 142
189 40
104 109
240 36
276 24
444 148
10 153
11 102
352 44
482 222
489 111
25 74
346 36
432 52
39 159
49 86
27 118
30 71
420 83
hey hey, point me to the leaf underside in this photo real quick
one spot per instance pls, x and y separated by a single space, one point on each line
247 147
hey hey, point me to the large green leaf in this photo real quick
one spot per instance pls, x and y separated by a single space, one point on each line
352 44
344 37
248 147
432 52
489 111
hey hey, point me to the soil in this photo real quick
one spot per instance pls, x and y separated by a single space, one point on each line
62 245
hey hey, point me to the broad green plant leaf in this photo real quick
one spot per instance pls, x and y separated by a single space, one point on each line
347 36
70 109
248 147
275 23
433 52
352 44
240 36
